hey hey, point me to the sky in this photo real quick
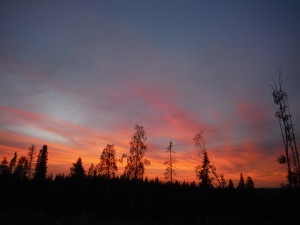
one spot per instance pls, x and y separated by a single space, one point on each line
78 75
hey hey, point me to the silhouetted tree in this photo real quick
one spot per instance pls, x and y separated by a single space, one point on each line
77 170
12 164
41 165
136 163
249 183
170 172
60 177
31 155
203 170
92 171
291 157
4 168
49 178
108 162
223 181
241 184
21 168
230 185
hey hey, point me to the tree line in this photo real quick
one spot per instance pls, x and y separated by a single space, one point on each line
25 168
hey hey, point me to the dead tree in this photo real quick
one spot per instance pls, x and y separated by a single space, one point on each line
291 157
199 144
170 172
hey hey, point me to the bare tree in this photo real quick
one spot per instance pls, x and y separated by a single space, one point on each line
170 171
203 170
207 166
291 157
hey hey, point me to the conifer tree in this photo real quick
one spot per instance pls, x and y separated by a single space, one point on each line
21 168
136 163
4 168
230 185
92 171
41 165
77 170
31 155
249 183
12 164
203 170
170 172
241 184
108 162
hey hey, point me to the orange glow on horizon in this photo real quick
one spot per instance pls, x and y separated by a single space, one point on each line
67 141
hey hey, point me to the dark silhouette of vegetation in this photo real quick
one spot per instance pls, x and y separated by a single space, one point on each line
102 197
291 157
108 162
92 171
249 183
136 163
170 171
12 164
222 181
203 170
230 185
77 170
31 156
241 184
4 168
207 166
64 200
41 165
21 168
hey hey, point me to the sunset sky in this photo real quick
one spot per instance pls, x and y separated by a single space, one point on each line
78 75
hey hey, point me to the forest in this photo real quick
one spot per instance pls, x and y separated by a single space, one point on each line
99 196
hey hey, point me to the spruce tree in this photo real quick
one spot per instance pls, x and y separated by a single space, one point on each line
31 155
230 185
77 170
203 170
249 183
241 184
21 168
12 164
41 165
4 168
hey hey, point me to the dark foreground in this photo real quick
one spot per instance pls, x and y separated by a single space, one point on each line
119 201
